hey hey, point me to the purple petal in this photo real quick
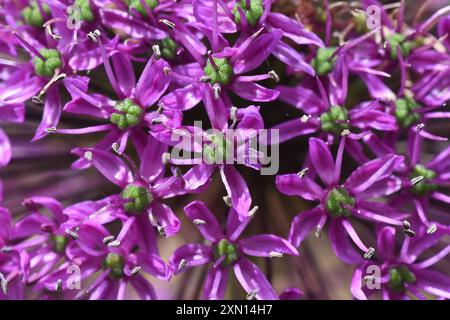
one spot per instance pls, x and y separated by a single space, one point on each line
5 149
322 160
206 222
237 189
254 92
151 160
386 243
111 166
295 128
433 282
166 218
124 73
356 283
291 294
263 245
293 185
342 245
292 58
192 254
154 265
216 283
153 83
52 113
183 98
251 278
303 224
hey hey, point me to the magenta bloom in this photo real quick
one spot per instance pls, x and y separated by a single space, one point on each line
339 202
227 252
399 275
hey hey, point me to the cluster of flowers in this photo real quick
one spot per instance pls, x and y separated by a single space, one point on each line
208 54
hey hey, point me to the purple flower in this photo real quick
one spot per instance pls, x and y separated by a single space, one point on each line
341 201
399 275
227 252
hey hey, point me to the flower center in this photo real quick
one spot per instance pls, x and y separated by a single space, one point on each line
336 199
335 119
397 40
59 243
323 63
33 16
139 197
168 48
252 9
47 67
115 264
404 112
400 276
129 114
219 71
136 4
85 12
422 187
216 151
227 249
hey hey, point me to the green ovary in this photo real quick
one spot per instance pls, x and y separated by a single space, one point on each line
323 63
395 41
33 16
423 187
404 112
168 48
85 12
136 4
216 152
335 120
336 199
400 276
223 74
47 67
226 249
252 13
128 116
59 243
139 196
115 264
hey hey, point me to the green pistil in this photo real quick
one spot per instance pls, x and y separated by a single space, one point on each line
227 249
404 112
140 198
136 4
47 67
59 243
400 276
129 115
423 187
252 13
85 10
395 41
336 199
323 63
335 120
32 15
216 152
115 264
168 48
223 74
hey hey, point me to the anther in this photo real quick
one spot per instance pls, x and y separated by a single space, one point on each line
166 71
71 233
369 253
6 249
273 75
50 130
252 212
199 222
168 23
94 35
252 294
161 231
58 285
156 50
432 228
115 146
182 264
227 200
318 232
275 254
4 284
420 126
410 233
165 158
416 180
217 89
135 270
302 172
114 244
37 100
304 118
406 224
108 239
345 133
88 155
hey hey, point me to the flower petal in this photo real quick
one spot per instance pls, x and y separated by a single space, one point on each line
193 255
237 189
293 185
216 283
342 245
322 160
207 224
153 83
263 245
303 224
254 92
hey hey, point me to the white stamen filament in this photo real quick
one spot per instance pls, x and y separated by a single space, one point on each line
275 254
252 212
416 180
432 229
303 172
71 233
135 270
199 222
182 264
